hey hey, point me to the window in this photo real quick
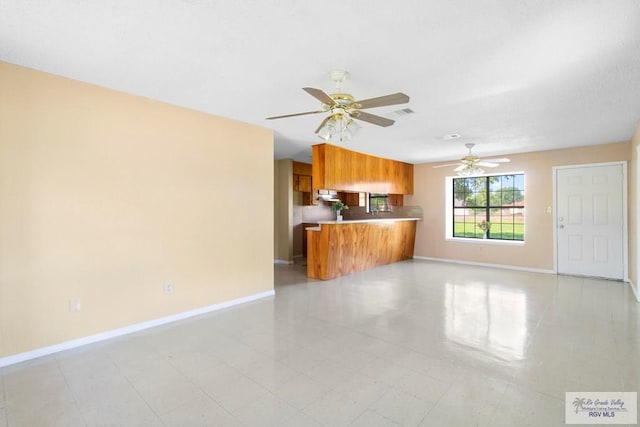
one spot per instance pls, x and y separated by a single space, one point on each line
379 203
492 203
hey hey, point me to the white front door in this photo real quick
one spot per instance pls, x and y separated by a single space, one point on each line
590 221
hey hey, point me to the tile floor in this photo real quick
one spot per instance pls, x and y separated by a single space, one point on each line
415 343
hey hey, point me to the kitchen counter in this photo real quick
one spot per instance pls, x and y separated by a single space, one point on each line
338 248
372 219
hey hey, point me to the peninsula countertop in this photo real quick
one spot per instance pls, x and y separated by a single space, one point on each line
355 221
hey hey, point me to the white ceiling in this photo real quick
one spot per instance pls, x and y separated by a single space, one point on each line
511 76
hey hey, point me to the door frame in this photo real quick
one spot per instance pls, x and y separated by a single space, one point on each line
634 286
625 236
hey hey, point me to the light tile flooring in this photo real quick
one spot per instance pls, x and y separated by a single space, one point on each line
410 344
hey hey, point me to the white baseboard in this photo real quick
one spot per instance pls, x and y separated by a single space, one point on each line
482 264
21 357
282 261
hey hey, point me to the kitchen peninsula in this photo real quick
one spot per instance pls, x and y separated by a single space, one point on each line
338 248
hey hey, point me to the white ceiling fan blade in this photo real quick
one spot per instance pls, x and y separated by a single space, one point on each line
488 165
393 99
446 166
500 160
320 95
296 114
371 118
459 168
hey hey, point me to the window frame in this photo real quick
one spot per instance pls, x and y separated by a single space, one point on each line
450 210
379 196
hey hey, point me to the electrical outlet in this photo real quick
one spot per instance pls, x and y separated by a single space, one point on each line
74 305
168 288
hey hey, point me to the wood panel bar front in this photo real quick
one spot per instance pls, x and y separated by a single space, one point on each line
341 248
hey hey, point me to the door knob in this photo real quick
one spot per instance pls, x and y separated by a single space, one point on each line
561 226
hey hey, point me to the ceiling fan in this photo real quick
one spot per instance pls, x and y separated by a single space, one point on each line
342 108
470 164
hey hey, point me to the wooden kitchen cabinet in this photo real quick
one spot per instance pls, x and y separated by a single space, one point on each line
396 199
342 248
349 198
304 183
337 168
301 176
352 199
300 168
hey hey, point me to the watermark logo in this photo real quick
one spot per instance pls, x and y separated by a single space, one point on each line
591 407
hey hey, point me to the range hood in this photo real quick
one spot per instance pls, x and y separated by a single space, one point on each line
328 195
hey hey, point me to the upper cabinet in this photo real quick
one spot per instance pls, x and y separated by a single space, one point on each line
337 168
302 177
302 181
352 199
396 199
300 168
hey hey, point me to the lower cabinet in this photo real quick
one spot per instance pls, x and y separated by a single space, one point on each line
338 249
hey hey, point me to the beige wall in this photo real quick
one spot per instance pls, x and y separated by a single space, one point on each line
537 252
634 152
105 197
283 210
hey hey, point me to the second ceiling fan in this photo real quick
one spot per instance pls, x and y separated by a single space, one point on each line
343 108
471 164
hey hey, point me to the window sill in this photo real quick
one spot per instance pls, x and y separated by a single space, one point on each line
486 241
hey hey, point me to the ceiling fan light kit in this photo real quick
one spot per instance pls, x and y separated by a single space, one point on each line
338 126
470 171
343 109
